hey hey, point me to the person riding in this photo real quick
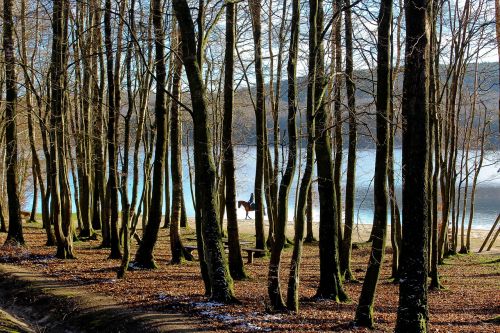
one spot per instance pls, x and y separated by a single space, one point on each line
250 201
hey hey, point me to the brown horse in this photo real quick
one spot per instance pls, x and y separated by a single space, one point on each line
247 206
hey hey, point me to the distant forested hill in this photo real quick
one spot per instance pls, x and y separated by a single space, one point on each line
488 91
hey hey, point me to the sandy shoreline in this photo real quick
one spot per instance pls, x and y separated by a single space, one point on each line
361 233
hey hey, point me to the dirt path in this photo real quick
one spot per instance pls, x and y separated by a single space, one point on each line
8 323
52 306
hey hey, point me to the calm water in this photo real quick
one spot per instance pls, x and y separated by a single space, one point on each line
487 203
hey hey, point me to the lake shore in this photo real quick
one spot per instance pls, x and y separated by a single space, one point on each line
361 233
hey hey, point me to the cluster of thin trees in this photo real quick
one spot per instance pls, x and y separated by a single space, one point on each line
130 83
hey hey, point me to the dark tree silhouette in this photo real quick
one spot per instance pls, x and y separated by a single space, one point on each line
413 310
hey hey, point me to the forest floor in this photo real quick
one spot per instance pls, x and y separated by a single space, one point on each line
471 296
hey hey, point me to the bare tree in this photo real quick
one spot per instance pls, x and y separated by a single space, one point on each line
15 232
413 310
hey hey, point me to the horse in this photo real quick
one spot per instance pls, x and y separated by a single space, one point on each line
248 207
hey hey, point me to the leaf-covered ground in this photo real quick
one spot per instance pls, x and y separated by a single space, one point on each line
471 297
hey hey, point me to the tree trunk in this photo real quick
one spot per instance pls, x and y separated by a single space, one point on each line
294 277
15 232
60 188
330 284
493 227
364 311
144 256
176 246
339 142
35 195
3 225
309 217
126 210
218 271
260 118
350 190
497 29
477 166
235 260
413 310
273 286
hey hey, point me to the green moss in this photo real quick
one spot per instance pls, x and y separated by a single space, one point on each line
494 320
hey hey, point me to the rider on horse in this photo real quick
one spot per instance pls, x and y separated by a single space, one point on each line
250 202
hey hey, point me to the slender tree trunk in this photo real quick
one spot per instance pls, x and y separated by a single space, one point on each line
15 232
166 219
294 277
60 196
330 284
497 29
493 227
273 285
3 225
144 256
235 260
35 195
126 210
350 189
393 119
309 217
413 309
434 143
339 142
364 311
260 118
97 124
493 239
176 246
218 270
477 167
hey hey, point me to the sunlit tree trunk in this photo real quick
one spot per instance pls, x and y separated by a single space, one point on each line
60 196
434 143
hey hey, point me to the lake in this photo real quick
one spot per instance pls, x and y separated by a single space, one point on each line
487 203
